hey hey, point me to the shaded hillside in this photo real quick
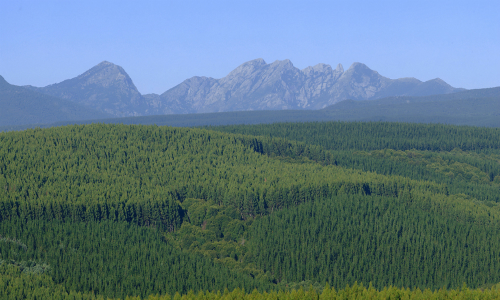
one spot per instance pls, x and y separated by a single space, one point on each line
20 106
105 87
254 85
475 107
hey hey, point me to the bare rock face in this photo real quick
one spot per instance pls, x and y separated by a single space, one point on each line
254 85
106 87
358 83
318 81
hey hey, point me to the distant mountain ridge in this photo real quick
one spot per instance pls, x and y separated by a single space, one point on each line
21 106
478 107
254 85
105 87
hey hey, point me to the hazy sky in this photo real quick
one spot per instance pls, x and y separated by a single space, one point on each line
162 43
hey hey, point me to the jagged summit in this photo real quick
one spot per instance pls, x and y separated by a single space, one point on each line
317 68
253 85
255 62
256 85
248 68
259 61
282 62
339 68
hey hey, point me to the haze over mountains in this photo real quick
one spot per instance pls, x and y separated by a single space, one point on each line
19 106
105 87
254 85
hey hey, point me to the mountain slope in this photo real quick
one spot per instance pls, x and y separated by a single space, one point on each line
479 107
20 106
256 85
105 87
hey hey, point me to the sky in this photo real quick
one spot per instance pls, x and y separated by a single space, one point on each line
162 43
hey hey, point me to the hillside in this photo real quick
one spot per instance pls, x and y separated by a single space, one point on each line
20 106
479 107
473 107
106 87
254 85
121 210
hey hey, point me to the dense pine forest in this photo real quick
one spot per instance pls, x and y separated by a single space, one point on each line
325 210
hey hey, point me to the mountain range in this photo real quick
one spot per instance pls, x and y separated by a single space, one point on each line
254 85
478 107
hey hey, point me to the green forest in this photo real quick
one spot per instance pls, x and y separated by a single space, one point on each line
321 210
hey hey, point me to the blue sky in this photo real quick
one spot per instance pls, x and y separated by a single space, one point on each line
162 43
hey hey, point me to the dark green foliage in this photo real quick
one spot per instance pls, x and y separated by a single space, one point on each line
385 241
463 158
116 259
377 135
401 241
119 210
140 174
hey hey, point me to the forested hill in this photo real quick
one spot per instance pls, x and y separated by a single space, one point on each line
463 157
131 210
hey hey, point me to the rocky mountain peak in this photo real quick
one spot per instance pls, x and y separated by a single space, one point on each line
282 64
105 87
359 67
104 64
359 72
254 85
339 69
248 68
322 68
105 74
319 68
258 61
